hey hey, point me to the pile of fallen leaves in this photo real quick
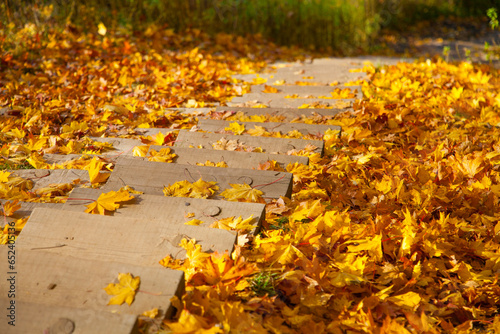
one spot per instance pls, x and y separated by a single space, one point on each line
395 229
60 86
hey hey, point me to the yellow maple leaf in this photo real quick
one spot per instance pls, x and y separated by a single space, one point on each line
10 207
243 193
124 291
372 245
236 128
259 131
37 161
194 222
191 323
231 223
4 176
270 89
94 168
209 163
163 155
410 300
203 189
198 189
140 151
109 201
151 313
101 29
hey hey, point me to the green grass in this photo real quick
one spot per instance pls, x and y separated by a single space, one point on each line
22 165
263 284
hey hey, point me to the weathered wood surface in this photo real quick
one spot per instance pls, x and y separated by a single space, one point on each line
307 90
279 100
133 240
178 209
65 281
287 114
151 177
233 159
50 319
44 177
120 145
212 125
268 144
28 207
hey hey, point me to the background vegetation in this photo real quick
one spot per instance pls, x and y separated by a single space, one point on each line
323 24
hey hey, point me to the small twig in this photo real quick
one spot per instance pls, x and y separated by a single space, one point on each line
39 177
150 293
80 199
49 247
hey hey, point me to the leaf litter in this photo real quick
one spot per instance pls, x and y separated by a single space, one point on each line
395 229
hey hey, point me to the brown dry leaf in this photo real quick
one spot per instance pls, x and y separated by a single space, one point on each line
224 144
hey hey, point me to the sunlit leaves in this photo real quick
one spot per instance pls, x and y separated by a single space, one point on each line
95 174
109 202
124 291
163 155
236 128
9 207
198 189
243 193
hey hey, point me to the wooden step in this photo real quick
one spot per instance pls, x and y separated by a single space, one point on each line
279 100
43 318
151 177
233 159
286 114
212 125
120 145
56 281
124 239
307 90
178 209
44 177
267 144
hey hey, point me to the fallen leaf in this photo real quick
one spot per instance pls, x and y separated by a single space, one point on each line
124 291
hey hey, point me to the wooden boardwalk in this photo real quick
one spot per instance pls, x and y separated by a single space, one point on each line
65 257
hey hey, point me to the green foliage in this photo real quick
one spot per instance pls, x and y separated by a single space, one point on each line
23 165
338 26
493 16
263 283
280 224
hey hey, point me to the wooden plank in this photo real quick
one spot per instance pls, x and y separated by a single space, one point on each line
320 71
40 318
62 158
178 209
137 241
28 207
287 114
56 280
212 125
308 90
43 177
120 145
276 100
233 159
153 131
151 177
268 144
